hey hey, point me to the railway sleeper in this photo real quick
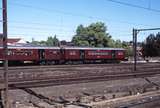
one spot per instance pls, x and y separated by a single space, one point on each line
152 83
40 96
49 101
75 102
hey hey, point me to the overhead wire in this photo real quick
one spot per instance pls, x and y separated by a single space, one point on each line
78 15
18 34
39 24
135 6
39 28
50 10
31 35
75 14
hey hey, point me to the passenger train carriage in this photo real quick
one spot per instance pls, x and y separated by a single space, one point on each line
58 55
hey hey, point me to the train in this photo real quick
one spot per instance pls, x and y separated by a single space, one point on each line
62 55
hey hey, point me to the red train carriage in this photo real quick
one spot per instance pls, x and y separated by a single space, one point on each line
50 55
56 55
97 54
93 54
105 54
21 54
34 54
120 54
70 55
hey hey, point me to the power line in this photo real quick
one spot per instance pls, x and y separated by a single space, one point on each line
39 28
44 28
79 15
26 34
30 35
49 10
60 29
149 4
135 6
36 23
45 24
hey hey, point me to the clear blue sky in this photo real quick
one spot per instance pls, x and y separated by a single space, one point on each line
39 19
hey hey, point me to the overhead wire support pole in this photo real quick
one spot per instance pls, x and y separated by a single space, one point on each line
135 33
135 48
133 44
148 29
5 47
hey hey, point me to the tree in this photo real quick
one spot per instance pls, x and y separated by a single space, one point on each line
93 35
42 43
151 46
128 48
34 42
157 43
52 41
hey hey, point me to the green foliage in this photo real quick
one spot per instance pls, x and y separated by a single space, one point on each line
51 41
151 47
34 42
93 35
128 48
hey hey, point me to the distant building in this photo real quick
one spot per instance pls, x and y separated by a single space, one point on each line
13 41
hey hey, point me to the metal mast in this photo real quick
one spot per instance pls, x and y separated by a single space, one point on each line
4 4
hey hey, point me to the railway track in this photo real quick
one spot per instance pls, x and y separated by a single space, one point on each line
48 73
36 77
73 80
82 65
134 101
33 69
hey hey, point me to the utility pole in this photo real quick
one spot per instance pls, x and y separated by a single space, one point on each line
5 48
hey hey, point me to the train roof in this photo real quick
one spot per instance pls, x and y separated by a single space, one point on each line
69 48
93 48
22 47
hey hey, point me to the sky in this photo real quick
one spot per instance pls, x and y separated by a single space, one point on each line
39 19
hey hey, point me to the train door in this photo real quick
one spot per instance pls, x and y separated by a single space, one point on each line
113 54
82 55
62 56
41 54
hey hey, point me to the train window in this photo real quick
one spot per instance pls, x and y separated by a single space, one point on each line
10 52
27 53
23 53
98 53
53 52
72 53
20 53
120 53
